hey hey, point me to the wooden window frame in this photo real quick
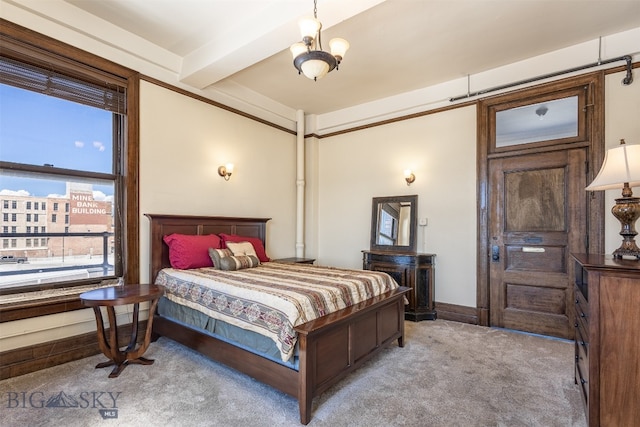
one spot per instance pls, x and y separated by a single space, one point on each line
31 47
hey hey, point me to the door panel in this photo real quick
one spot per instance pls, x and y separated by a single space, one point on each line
536 219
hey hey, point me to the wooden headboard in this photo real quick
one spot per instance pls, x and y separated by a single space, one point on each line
161 225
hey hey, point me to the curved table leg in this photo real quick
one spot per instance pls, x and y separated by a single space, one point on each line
130 355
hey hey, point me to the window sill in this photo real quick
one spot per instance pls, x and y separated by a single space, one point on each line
28 305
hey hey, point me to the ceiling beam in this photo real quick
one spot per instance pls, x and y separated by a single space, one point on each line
273 30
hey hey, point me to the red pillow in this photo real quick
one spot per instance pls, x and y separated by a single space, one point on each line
255 242
191 251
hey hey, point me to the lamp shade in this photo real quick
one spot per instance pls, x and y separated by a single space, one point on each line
309 27
298 49
621 165
338 47
315 68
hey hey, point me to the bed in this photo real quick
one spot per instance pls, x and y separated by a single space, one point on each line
328 348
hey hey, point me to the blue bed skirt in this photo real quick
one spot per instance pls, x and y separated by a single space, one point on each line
247 340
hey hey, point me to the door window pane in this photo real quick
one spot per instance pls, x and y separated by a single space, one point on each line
550 120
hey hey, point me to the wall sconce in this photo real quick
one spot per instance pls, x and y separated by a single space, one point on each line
226 171
409 176
621 169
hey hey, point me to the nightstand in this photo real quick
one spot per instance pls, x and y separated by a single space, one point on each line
294 260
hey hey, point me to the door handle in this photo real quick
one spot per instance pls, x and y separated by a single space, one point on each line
495 253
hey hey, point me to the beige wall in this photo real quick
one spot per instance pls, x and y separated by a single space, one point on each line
183 141
357 166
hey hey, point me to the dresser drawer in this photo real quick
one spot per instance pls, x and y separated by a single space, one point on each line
582 331
583 382
582 362
582 306
582 343
582 354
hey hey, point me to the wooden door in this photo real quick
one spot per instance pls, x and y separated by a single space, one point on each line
537 206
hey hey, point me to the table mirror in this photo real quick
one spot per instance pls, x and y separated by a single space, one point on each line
393 223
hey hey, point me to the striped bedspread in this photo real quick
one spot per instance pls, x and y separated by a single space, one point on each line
273 298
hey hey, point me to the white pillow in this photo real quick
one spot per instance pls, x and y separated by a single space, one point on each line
241 248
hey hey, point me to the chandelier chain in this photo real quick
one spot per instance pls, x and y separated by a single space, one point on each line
315 9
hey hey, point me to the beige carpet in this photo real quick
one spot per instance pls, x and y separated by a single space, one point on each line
448 374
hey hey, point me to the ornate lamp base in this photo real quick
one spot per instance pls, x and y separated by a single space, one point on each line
627 211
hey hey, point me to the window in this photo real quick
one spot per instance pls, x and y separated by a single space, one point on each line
68 133
28 241
28 229
5 229
14 229
14 204
54 217
14 217
28 217
5 204
530 123
5 217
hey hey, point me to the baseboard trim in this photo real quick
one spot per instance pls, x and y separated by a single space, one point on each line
457 313
33 358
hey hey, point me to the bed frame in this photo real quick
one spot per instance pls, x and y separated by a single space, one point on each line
329 347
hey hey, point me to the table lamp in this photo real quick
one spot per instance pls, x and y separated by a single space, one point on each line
621 169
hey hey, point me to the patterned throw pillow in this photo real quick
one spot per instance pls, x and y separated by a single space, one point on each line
223 259
239 262
217 255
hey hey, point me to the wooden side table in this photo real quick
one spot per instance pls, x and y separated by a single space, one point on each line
294 260
110 298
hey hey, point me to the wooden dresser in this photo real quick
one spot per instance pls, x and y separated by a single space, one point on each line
410 269
607 296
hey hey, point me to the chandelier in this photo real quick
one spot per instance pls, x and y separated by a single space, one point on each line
308 56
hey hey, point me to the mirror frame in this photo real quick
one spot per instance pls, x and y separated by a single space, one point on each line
413 224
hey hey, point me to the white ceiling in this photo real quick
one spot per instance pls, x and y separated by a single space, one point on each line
240 47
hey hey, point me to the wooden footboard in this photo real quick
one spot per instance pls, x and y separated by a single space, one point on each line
334 345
